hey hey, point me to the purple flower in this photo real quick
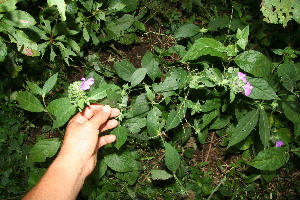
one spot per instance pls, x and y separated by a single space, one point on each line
248 88
242 77
85 84
279 144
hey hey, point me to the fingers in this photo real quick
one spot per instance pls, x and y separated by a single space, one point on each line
100 117
106 139
108 125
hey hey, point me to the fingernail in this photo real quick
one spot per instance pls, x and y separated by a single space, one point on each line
106 109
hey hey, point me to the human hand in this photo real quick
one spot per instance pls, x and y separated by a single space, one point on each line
82 141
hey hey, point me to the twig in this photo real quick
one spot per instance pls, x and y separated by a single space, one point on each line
209 148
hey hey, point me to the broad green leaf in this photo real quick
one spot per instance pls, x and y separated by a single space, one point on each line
62 109
138 76
254 63
3 50
49 84
85 34
73 45
99 170
288 74
29 102
61 7
205 46
8 5
270 159
211 104
186 30
46 148
88 4
101 92
121 133
128 5
264 128
149 93
129 177
125 70
153 122
207 118
135 124
244 127
140 106
261 89
296 11
220 122
160 175
121 24
148 61
291 108
168 87
122 161
19 18
242 36
175 117
34 88
172 158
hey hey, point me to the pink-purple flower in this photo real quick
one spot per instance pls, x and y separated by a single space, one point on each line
278 143
85 84
247 87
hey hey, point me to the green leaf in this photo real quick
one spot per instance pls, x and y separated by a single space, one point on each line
138 76
101 92
254 63
153 122
186 30
61 7
49 84
175 117
62 109
88 4
207 118
8 5
129 177
3 50
46 148
85 34
242 36
19 18
168 87
149 93
261 89
220 122
160 175
29 102
205 46
141 106
270 159
129 5
125 70
264 128
122 162
121 24
291 109
121 133
34 88
288 74
135 124
244 127
172 158
149 62
99 170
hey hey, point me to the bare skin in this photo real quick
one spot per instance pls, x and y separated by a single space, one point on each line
78 155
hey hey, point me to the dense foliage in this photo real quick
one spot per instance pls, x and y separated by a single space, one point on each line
208 91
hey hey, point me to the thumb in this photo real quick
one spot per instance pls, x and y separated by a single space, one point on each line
100 117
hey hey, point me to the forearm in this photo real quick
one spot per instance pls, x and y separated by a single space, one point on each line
62 181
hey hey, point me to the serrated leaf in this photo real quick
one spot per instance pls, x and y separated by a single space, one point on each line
288 74
49 84
34 88
134 125
261 89
205 46
270 159
121 133
186 30
207 118
43 149
29 102
264 128
167 88
149 93
122 162
129 5
153 122
172 158
149 62
62 109
138 76
100 92
8 5
244 127
254 63
160 175
3 50
125 70
175 117
141 106
61 7
99 170
19 18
